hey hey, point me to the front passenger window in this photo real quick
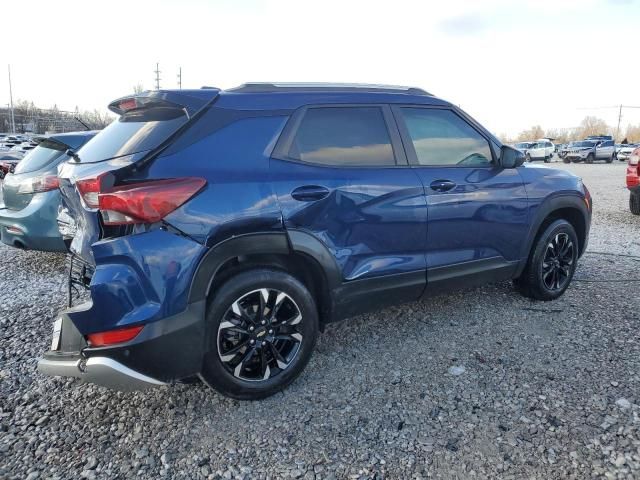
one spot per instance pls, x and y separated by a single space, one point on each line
442 138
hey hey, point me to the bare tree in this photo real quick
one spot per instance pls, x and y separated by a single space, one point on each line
593 126
138 88
532 133
633 133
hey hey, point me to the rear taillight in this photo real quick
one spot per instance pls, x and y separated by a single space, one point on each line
112 337
633 169
89 189
43 183
145 202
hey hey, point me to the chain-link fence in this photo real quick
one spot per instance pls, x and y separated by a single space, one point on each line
30 119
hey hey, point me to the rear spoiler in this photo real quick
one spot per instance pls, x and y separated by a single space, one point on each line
189 100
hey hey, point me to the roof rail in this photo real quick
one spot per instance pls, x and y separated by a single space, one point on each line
260 87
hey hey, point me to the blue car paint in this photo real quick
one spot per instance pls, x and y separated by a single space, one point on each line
484 216
375 222
137 282
239 197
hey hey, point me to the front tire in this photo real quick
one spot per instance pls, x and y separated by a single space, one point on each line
634 203
527 158
590 158
262 326
551 264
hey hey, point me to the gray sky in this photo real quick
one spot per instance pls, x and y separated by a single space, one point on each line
510 64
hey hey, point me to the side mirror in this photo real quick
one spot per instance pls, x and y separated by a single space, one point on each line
511 157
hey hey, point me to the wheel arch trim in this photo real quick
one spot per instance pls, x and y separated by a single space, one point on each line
573 201
283 243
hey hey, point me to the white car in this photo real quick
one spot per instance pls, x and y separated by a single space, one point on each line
539 150
624 152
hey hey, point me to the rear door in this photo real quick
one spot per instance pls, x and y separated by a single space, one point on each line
478 216
605 150
537 151
341 175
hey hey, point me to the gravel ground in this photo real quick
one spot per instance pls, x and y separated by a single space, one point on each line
478 384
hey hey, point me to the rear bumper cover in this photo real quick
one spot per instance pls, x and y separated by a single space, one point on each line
99 370
34 226
166 350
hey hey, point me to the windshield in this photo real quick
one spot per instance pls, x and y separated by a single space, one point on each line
41 156
523 145
135 131
582 144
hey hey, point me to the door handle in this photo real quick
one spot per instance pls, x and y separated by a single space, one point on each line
442 185
310 193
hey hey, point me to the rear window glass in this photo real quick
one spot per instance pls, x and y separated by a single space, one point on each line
46 153
135 131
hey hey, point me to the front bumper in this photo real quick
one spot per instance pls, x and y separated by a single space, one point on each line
575 156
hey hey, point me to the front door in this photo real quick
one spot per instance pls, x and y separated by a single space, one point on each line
341 175
478 217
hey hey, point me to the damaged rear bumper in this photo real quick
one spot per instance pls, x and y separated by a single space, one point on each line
102 371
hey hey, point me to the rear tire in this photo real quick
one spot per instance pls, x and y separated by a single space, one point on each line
551 264
634 203
610 159
262 326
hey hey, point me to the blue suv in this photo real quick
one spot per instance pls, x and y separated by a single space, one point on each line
219 231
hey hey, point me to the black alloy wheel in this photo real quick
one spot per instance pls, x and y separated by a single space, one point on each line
262 325
551 263
557 262
258 337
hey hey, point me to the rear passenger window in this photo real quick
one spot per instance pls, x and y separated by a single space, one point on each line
440 137
348 136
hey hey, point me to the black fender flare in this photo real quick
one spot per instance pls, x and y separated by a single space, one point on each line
248 244
283 243
548 206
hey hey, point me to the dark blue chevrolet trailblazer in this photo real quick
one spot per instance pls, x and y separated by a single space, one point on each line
218 231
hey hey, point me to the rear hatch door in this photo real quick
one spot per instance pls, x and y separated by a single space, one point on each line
146 124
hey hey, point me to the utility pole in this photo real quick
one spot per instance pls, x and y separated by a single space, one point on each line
157 76
13 119
180 78
619 119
